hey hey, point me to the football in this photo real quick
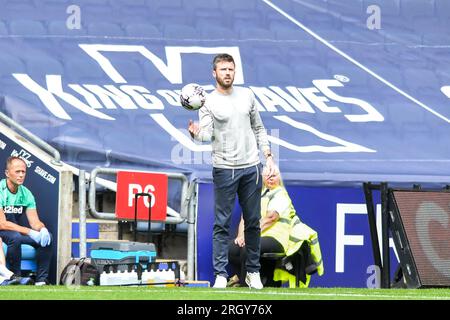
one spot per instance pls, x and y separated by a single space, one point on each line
192 96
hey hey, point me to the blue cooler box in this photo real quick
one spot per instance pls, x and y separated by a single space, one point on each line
120 255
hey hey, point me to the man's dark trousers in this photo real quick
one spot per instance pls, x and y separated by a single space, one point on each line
14 240
247 184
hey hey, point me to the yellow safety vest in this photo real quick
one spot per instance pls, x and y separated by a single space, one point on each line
280 230
300 232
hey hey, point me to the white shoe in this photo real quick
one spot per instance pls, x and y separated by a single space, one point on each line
40 283
253 280
220 283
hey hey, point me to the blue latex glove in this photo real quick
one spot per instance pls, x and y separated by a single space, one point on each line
45 237
36 236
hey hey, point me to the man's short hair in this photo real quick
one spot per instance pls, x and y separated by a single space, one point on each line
222 57
11 159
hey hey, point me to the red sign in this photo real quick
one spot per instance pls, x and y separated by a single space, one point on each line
130 183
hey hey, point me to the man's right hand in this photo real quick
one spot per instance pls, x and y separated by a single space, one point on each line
36 236
240 241
193 128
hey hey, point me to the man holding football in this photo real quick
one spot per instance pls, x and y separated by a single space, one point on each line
231 121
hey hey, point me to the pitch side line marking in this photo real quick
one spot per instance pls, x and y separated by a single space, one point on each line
346 56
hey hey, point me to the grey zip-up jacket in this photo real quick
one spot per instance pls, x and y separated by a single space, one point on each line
233 125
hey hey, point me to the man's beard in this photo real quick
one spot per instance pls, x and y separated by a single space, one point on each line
223 84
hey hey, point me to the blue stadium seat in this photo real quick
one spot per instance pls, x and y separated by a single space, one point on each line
400 38
172 15
307 73
386 131
317 21
155 227
3 30
358 77
137 8
50 9
214 32
444 74
151 74
145 30
96 158
406 112
83 70
390 73
28 262
40 65
179 31
299 55
20 10
363 35
436 38
135 14
417 79
78 137
213 18
28 102
92 2
128 68
273 16
250 77
243 19
192 6
252 33
103 29
429 27
156 4
93 11
122 134
59 28
274 73
197 70
27 28
233 5
347 8
57 3
261 52
343 129
412 9
443 8
9 64
387 7
123 3
336 37
285 31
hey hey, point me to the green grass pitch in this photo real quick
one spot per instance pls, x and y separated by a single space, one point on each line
185 293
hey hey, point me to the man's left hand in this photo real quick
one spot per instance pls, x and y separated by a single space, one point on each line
270 164
45 237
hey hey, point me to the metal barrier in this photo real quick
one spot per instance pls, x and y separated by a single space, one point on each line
187 209
33 139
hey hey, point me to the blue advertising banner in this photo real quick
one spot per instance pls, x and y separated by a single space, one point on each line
338 214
